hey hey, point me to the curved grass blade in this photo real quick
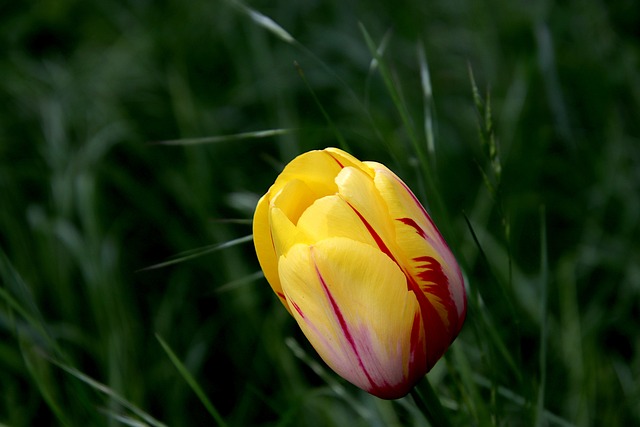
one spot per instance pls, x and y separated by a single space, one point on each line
265 22
192 382
108 392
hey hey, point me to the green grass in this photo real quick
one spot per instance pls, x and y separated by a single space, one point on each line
136 138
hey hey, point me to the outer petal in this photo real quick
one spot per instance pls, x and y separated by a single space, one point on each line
347 160
351 302
427 254
265 249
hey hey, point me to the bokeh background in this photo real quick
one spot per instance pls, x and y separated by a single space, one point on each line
534 182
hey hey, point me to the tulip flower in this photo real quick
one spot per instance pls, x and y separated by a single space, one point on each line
357 261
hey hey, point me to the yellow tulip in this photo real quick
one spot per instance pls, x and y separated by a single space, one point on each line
357 261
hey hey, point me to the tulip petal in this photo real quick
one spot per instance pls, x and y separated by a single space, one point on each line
332 216
347 160
315 168
426 253
358 190
351 302
265 250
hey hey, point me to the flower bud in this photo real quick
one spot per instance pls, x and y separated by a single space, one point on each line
357 261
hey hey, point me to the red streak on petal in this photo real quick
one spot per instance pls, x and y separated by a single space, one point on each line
411 223
298 309
336 160
383 247
417 202
375 388
435 282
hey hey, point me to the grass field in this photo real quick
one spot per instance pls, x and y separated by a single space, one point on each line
136 138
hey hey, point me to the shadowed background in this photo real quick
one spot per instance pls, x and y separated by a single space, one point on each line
545 228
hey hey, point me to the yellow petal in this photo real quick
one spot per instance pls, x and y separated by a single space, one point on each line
284 233
331 216
358 190
265 249
345 159
317 169
293 198
351 302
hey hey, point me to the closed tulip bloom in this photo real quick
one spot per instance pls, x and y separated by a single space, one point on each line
357 261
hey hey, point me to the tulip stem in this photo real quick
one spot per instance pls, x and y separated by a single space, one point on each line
429 404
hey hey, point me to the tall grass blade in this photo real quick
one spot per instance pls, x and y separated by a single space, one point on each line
544 279
342 142
186 375
493 333
434 198
427 94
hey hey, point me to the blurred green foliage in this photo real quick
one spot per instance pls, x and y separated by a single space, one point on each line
548 147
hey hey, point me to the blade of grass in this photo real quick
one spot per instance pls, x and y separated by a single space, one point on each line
544 279
327 117
493 334
123 419
98 386
331 381
264 21
227 138
434 198
427 94
461 371
186 375
198 252
41 383
234 284
427 400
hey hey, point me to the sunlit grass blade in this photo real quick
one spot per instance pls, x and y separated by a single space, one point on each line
227 138
123 419
264 21
427 93
198 252
107 391
186 375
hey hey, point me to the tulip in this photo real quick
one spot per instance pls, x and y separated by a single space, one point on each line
359 264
